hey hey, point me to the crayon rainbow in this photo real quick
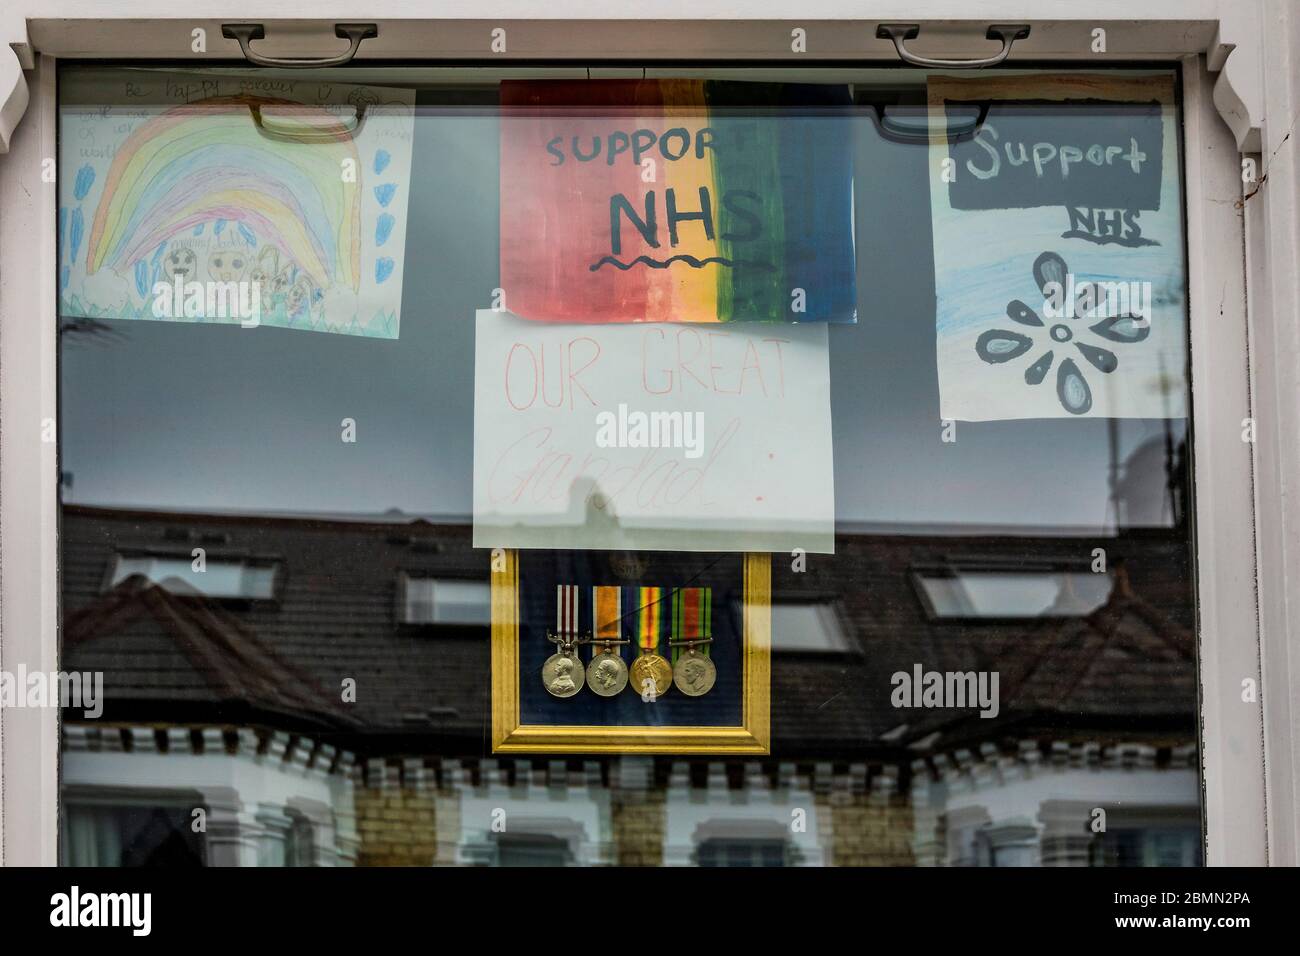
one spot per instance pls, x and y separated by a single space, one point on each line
208 161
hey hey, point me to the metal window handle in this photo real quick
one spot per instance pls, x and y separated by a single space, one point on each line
900 32
898 130
306 132
246 33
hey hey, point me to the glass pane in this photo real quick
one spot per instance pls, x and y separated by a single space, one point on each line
289 499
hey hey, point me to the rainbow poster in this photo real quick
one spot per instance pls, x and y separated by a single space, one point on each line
213 199
676 201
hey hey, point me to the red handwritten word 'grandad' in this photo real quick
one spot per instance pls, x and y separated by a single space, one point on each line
535 469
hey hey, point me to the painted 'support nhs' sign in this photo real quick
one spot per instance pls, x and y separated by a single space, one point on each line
676 201
1058 230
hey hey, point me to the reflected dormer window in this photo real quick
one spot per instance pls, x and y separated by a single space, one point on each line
961 592
220 578
430 600
812 626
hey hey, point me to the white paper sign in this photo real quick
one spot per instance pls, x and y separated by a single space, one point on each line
652 437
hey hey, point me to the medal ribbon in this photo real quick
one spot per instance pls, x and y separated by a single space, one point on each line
647 618
566 610
692 618
607 610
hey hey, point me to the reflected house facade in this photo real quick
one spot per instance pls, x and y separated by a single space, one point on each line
275 710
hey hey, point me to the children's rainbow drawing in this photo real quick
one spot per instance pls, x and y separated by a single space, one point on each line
294 204
676 201
208 162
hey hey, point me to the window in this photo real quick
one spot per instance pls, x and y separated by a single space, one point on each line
445 601
1153 846
531 850
811 626
972 593
214 578
129 834
299 841
353 456
748 853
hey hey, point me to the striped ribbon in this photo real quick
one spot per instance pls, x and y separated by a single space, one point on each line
647 618
692 617
566 611
607 606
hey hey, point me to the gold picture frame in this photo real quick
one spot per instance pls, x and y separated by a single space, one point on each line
511 735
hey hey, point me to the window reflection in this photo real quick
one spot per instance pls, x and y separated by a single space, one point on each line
185 575
973 592
445 601
808 626
131 831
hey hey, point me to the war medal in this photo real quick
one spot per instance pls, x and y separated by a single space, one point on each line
607 672
563 674
694 672
651 674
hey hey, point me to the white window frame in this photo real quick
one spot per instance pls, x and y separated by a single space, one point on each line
1237 79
